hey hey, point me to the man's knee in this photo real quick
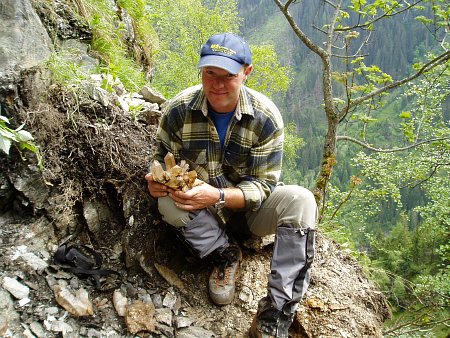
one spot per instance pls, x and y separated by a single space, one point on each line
171 214
299 204
295 191
296 195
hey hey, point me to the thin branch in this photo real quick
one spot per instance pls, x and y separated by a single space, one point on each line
288 3
341 203
330 3
419 327
428 66
349 56
384 15
443 40
357 53
301 35
414 320
429 176
332 28
319 29
392 150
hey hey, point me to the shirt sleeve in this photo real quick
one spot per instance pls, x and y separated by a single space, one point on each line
266 160
168 137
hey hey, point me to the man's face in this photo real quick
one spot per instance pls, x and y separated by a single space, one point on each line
222 88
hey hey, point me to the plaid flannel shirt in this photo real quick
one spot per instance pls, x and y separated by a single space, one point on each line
251 157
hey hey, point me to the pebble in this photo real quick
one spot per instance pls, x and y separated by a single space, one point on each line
170 299
120 303
164 316
182 321
157 300
3 325
37 329
17 289
77 303
195 332
34 262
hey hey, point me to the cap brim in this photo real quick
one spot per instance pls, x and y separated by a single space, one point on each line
218 61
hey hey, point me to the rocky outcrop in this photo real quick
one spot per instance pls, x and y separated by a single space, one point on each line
24 42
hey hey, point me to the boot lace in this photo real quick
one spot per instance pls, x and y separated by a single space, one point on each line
223 262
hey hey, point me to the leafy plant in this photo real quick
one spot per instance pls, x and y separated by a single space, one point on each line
268 77
19 136
292 143
65 71
122 48
413 255
183 26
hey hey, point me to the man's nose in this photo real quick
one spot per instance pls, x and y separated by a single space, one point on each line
219 82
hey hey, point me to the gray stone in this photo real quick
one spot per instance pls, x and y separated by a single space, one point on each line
53 311
7 309
164 316
182 321
78 52
17 289
170 299
97 93
94 333
157 300
96 213
195 332
54 325
27 333
24 42
3 325
37 329
165 330
28 180
152 95
34 262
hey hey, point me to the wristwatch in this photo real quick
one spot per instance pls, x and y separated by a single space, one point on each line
221 203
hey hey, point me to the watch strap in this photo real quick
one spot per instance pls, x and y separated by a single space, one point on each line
221 203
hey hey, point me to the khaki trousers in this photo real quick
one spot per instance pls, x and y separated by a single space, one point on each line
288 204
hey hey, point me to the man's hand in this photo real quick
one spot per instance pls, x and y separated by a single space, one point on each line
157 189
199 197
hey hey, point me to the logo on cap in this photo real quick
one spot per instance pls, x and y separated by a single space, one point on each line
222 49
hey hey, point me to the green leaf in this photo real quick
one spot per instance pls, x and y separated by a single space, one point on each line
337 100
405 115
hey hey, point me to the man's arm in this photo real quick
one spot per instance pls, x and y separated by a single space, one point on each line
264 171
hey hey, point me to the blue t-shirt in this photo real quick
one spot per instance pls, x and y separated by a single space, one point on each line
221 121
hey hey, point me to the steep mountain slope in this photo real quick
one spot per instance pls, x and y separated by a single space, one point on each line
92 191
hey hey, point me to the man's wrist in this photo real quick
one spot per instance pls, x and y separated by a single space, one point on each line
221 202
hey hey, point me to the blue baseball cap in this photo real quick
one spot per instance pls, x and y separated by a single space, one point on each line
227 51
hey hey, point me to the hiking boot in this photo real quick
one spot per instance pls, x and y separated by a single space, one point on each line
270 322
222 281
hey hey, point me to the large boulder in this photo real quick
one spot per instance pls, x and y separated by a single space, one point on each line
24 41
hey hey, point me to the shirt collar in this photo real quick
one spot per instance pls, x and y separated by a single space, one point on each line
244 106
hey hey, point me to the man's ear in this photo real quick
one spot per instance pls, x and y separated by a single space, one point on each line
248 70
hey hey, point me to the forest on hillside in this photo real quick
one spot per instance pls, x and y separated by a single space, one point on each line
388 201
383 176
